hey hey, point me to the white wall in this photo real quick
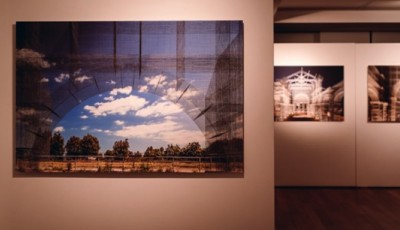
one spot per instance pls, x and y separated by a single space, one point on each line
146 203
317 153
378 144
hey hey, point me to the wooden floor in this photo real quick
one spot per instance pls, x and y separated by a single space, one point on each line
337 208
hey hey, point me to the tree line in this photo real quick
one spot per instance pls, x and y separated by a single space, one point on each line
89 146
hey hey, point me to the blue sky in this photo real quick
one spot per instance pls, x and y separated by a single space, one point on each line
143 118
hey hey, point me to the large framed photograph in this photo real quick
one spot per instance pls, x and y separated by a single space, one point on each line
383 93
308 93
129 98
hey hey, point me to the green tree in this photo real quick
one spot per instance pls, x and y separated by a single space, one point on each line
89 145
73 146
156 152
109 153
121 148
193 149
57 144
169 151
177 150
137 154
149 152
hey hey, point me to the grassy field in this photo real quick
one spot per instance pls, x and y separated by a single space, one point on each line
104 166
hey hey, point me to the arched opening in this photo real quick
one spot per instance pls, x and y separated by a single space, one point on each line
145 119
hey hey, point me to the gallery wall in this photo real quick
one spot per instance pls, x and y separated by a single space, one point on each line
146 203
311 153
354 152
378 155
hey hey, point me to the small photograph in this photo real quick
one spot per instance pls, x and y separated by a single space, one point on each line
129 98
308 93
384 93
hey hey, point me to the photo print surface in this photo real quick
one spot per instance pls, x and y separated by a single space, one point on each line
308 93
384 93
129 97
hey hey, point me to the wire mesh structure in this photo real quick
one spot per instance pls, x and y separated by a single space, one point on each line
196 65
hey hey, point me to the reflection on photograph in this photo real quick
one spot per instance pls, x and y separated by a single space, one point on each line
384 93
308 93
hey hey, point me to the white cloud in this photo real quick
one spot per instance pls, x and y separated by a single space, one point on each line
44 80
110 98
119 106
82 79
111 82
84 128
62 77
26 111
167 88
156 81
47 120
98 130
168 131
33 58
159 108
119 122
59 129
78 72
173 94
127 90
144 89
84 117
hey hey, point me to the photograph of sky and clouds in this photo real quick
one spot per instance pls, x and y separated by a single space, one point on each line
152 83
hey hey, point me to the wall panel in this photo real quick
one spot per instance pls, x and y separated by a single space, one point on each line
378 144
317 153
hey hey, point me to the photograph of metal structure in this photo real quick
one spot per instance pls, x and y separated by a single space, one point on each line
129 97
384 93
308 93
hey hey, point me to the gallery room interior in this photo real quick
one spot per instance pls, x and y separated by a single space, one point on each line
319 124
